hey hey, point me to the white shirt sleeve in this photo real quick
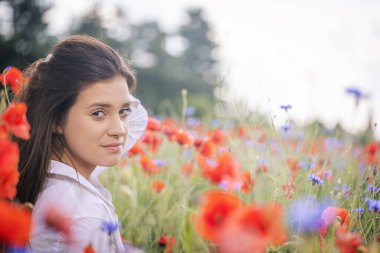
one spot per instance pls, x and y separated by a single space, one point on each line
138 120
137 124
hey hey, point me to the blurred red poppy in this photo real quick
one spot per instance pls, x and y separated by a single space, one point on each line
137 149
152 139
207 149
224 168
184 138
217 136
167 242
252 229
247 181
14 120
215 208
169 128
153 124
16 222
348 242
330 214
9 157
89 249
57 219
13 77
158 185
148 165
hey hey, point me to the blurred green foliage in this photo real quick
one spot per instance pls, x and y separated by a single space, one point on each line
162 69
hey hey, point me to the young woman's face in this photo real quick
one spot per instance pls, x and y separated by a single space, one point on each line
96 125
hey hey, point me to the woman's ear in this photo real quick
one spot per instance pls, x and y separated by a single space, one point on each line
57 129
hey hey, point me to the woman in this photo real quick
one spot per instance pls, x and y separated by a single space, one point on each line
82 117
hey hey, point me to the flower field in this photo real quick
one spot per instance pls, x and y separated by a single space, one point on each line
225 186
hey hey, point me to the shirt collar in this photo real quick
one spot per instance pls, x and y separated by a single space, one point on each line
59 168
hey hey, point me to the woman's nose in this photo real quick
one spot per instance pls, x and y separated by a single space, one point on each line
118 126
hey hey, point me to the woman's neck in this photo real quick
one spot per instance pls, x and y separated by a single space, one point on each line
82 168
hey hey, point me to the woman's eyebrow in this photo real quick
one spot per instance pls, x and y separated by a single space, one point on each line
105 105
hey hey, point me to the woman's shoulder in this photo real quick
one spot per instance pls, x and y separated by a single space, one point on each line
70 196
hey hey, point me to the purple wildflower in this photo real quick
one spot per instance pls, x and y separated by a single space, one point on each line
315 179
285 107
374 205
189 111
285 128
359 210
159 162
304 216
372 189
109 227
18 249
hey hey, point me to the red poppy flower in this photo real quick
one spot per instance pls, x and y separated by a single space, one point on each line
14 119
89 249
137 149
330 214
153 124
217 136
252 229
242 131
207 149
16 222
247 181
169 128
13 77
371 150
57 219
224 168
348 242
148 165
167 242
187 169
184 138
158 185
293 166
216 206
153 140
289 188
9 157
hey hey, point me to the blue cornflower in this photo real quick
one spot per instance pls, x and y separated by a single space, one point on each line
373 189
109 227
285 107
189 111
357 93
359 210
306 165
18 249
191 122
374 205
304 216
159 162
315 179
285 128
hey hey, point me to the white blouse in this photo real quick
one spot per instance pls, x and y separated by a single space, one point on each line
86 202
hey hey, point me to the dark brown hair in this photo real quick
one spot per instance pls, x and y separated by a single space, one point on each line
54 85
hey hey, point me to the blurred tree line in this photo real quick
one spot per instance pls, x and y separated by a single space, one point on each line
165 62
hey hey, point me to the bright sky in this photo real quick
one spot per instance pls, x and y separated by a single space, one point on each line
299 52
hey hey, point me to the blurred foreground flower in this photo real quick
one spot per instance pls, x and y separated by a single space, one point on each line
215 207
305 215
167 242
9 157
16 222
14 120
13 77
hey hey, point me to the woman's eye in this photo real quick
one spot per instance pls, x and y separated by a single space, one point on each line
125 112
98 114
